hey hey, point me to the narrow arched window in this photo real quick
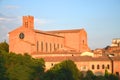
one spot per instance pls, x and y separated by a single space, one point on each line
52 64
42 46
93 67
26 24
83 41
108 66
98 66
46 47
54 47
58 46
37 46
50 47
103 66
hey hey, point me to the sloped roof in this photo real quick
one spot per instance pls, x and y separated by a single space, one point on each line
65 31
115 58
46 33
74 58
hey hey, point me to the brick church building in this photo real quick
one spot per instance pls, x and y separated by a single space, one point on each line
57 46
25 39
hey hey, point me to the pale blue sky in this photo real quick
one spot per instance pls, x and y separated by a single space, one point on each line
100 18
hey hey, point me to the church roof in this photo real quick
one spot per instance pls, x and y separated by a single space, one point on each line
46 33
57 31
65 31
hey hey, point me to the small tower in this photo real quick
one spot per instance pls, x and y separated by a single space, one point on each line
28 22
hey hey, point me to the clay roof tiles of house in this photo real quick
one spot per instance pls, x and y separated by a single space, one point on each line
115 58
57 31
46 33
65 31
74 58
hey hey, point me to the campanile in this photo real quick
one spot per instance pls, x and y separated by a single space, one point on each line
28 22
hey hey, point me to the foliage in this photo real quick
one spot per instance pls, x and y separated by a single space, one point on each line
20 67
2 67
113 77
65 70
4 46
109 76
89 75
99 78
106 74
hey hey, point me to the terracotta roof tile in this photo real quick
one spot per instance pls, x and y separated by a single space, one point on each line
116 58
46 33
65 31
74 58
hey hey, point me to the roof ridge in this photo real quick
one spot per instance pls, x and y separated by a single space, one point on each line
69 30
47 33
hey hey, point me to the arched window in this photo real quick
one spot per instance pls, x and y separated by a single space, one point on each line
46 47
93 67
108 66
42 46
52 64
103 66
26 24
58 46
83 41
37 46
54 47
50 47
98 66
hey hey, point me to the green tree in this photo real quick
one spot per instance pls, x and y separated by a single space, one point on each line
89 75
106 74
23 67
17 67
38 66
99 78
109 76
4 46
65 70
2 67
112 77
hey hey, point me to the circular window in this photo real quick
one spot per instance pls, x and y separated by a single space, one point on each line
21 36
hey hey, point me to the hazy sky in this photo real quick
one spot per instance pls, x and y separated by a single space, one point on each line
100 18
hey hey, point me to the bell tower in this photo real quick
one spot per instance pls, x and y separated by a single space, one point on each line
28 22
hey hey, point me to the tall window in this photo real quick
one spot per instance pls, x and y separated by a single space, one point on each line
42 46
26 24
58 46
52 64
50 47
54 47
98 66
108 67
93 67
83 41
103 66
46 47
37 46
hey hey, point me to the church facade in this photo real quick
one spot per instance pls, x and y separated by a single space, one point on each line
25 39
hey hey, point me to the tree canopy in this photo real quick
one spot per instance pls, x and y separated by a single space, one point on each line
65 70
20 67
4 46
